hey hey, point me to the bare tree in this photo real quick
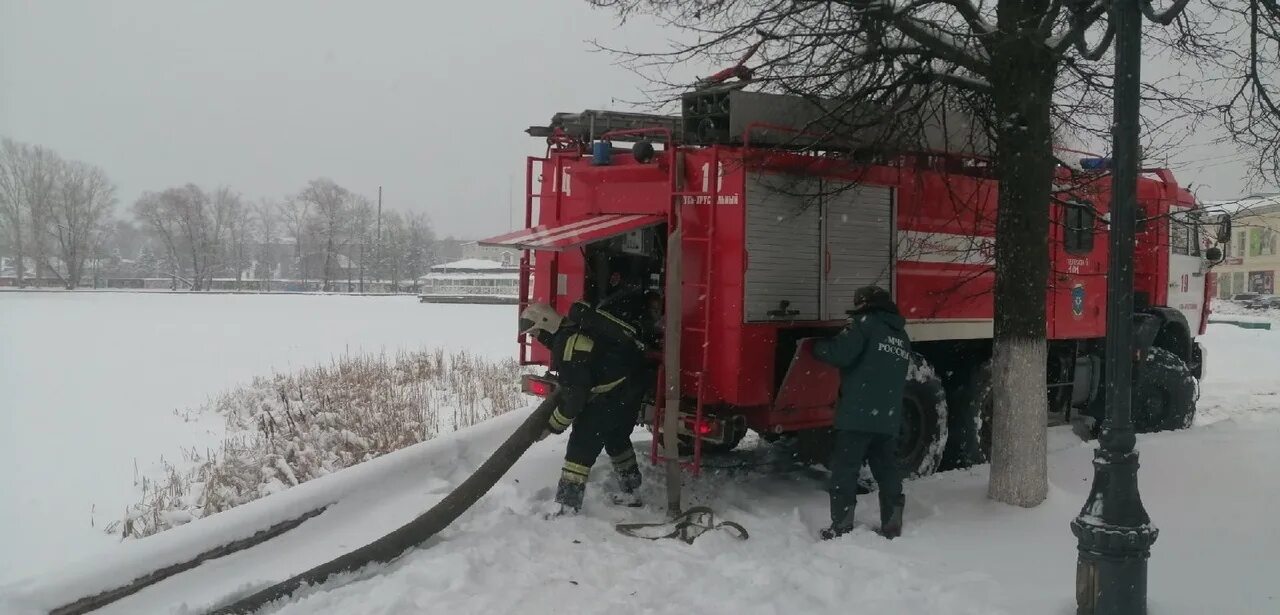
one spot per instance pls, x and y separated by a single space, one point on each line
189 205
1250 63
362 231
225 206
28 180
295 213
156 212
1020 68
81 205
41 183
331 205
12 202
265 220
419 250
239 237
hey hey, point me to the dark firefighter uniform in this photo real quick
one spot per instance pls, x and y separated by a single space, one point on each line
873 354
595 356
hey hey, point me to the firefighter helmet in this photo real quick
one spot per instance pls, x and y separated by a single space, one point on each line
540 316
869 297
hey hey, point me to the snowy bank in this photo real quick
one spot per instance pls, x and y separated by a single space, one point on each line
363 502
96 387
287 429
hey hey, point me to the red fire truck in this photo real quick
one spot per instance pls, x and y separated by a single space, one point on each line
765 241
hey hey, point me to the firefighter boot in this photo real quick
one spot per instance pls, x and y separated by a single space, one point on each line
569 495
829 533
572 487
839 528
627 472
891 516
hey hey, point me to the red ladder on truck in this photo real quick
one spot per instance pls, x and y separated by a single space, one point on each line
702 285
532 190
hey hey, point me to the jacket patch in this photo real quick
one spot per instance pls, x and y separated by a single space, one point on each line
894 346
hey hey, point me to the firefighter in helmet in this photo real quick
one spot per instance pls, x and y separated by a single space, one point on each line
593 354
872 353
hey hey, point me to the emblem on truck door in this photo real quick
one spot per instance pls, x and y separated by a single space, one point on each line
1077 300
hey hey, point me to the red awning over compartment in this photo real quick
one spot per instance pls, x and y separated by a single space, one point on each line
557 237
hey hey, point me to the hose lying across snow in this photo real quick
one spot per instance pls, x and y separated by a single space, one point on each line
101 599
415 532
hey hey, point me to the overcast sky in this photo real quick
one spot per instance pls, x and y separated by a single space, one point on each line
428 99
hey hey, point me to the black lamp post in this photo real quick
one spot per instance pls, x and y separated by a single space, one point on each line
1113 532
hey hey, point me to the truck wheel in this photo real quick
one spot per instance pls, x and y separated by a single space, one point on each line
971 403
923 435
924 420
1164 393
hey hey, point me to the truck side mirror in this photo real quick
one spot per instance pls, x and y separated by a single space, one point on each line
1224 228
1214 254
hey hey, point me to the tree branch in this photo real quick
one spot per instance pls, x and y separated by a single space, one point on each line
1081 21
973 16
940 43
1164 18
1096 53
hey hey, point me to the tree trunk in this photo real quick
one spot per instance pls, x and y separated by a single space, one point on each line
1023 89
73 273
37 238
19 267
328 256
73 261
196 272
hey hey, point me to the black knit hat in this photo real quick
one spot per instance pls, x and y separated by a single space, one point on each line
871 297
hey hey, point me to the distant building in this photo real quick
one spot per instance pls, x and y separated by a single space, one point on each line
471 280
1253 256
506 256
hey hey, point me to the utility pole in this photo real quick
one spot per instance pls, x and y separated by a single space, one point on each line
377 247
1113 532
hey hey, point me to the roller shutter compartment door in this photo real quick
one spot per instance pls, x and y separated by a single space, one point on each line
784 244
858 234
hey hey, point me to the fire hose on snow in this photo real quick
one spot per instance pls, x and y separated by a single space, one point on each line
101 599
417 531
686 526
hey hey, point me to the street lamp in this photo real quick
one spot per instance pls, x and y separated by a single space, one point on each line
1113 532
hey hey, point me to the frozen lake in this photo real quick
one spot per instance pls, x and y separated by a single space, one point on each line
90 382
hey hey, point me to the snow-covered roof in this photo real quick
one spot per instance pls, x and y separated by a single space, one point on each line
462 275
471 264
1249 205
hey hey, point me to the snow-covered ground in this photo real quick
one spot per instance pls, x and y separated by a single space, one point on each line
1212 490
1230 311
90 382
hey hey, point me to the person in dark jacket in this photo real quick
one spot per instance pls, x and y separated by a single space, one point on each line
593 355
873 354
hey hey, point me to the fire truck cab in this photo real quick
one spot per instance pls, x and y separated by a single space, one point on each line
765 241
